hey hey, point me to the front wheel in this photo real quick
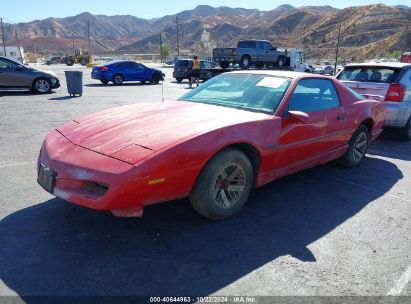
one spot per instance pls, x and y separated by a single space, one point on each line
179 79
118 79
69 62
223 186
83 61
41 86
357 148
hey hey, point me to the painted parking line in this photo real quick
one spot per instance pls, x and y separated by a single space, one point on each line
401 283
18 164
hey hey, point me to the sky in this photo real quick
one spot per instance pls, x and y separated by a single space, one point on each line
28 10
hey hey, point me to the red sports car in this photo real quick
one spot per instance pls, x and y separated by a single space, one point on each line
237 131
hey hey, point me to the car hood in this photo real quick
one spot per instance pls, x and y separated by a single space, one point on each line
150 127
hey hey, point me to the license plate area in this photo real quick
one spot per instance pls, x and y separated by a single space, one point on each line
46 178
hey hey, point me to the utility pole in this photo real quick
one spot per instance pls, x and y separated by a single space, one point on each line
2 34
72 37
161 48
338 46
178 38
405 45
18 43
88 37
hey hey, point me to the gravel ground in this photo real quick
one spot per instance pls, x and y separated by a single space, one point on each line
327 231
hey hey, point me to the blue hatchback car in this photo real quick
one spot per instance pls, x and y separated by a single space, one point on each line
119 71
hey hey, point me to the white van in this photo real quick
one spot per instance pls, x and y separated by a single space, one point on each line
13 52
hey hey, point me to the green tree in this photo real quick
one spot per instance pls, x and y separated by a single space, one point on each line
165 51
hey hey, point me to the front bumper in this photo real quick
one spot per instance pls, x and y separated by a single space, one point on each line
79 170
55 83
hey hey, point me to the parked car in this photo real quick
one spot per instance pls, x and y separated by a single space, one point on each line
248 52
53 60
182 69
388 82
324 70
236 131
15 75
119 71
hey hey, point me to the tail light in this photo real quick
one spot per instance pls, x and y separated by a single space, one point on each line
234 52
395 92
103 69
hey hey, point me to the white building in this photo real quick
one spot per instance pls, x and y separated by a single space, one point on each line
13 52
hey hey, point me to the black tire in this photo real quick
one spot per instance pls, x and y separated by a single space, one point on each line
83 61
104 81
155 79
142 81
118 79
179 79
280 61
245 62
224 65
41 86
307 71
211 196
357 149
69 62
405 132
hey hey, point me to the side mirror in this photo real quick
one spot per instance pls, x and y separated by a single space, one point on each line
19 68
298 117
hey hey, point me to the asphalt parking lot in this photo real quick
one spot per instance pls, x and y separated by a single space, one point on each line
328 231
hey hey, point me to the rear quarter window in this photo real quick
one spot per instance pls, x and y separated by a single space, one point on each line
246 44
369 74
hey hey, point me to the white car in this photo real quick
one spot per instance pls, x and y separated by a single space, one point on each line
389 82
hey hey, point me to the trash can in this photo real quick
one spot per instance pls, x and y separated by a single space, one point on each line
74 81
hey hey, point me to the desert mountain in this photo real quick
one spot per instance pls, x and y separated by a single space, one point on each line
366 31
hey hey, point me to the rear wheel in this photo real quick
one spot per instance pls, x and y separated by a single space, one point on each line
118 79
280 61
69 62
223 185
405 132
224 65
41 86
245 62
83 61
357 149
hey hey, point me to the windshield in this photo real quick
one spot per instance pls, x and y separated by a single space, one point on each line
253 92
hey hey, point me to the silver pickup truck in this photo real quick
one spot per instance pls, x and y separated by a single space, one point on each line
388 82
248 52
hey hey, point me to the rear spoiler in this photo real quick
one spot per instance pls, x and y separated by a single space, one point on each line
375 97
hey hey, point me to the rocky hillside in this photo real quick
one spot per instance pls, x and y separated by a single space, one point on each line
366 31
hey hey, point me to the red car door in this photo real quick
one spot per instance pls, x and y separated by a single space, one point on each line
314 127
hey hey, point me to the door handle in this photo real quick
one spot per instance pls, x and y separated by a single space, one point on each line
342 117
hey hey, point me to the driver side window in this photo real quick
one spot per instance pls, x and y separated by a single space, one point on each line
6 65
313 95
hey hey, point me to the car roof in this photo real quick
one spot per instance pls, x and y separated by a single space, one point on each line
288 74
380 64
119 61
